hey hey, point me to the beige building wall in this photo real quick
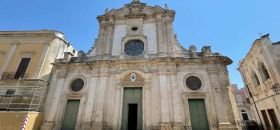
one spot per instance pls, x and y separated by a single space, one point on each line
43 47
26 95
260 72
23 50
4 50
240 102
13 120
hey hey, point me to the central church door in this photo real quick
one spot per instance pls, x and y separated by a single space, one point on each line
132 109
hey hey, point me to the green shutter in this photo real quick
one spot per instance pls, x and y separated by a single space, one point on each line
198 114
70 115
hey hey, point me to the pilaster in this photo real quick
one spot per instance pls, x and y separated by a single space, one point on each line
109 38
169 34
163 85
161 45
176 99
53 100
91 86
218 96
98 110
9 58
44 54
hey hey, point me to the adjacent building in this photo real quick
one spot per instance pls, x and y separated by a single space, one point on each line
138 77
242 102
260 70
25 71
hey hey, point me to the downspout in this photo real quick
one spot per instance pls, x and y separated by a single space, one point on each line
255 105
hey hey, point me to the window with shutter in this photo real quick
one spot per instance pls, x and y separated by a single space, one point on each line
22 68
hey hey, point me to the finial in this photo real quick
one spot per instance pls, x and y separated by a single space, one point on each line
106 10
165 6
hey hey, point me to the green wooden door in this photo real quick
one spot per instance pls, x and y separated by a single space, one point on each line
132 109
198 114
70 116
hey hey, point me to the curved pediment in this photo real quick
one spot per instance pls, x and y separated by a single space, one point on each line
136 10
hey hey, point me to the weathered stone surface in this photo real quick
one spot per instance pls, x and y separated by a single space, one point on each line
161 72
260 72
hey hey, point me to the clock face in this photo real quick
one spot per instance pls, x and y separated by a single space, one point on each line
134 48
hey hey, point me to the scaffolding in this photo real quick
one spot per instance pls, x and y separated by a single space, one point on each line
23 95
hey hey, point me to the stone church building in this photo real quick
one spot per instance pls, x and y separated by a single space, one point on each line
138 77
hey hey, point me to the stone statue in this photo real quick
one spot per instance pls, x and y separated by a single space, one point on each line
192 49
206 51
136 1
106 10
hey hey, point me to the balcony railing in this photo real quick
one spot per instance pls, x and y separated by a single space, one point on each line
11 76
25 95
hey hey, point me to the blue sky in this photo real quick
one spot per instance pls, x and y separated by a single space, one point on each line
229 26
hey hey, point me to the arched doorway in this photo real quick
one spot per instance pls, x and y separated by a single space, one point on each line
244 115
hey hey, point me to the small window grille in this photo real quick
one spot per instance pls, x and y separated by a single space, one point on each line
10 92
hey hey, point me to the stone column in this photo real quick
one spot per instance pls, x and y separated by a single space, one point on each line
98 111
44 54
117 111
218 91
148 109
53 100
109 105
176 102
165 109
9 58
160 37
109 37
100 40
169 34
89 102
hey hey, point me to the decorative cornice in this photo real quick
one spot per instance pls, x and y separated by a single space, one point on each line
39 33
91 61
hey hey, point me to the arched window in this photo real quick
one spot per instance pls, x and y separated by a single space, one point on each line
255 79
265 72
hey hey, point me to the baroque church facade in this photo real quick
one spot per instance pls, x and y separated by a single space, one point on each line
138 77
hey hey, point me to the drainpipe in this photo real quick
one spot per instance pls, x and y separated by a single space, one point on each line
255 106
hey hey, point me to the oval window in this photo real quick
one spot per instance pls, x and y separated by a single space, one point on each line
134 48
193 83
77 85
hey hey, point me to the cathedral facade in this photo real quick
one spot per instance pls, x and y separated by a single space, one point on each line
138 77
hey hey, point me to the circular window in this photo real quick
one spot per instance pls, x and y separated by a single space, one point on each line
193 83
134 48
134 29
77 85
